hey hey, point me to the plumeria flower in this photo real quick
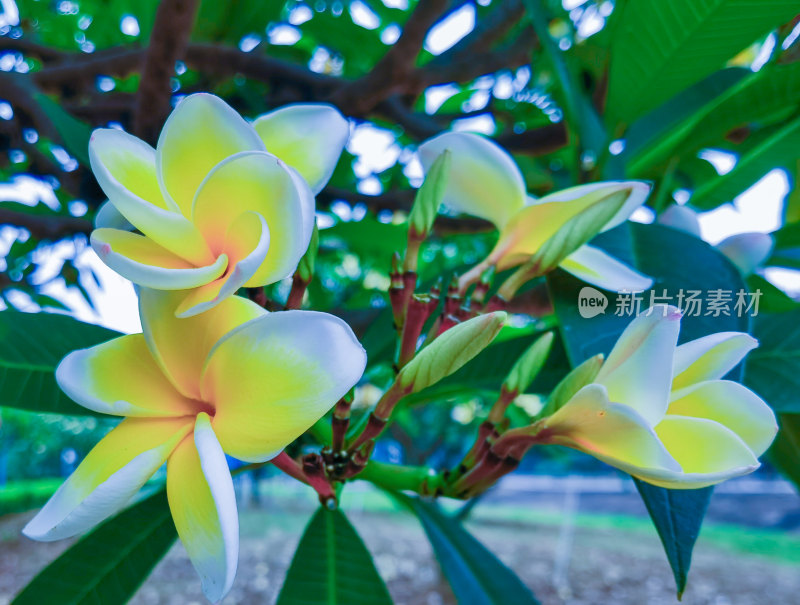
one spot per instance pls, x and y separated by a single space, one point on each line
485 181
235 380
663 413
220 203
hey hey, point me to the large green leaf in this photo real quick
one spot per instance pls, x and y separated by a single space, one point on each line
676 261
109 564
660 48
786 251
779 147
332 566
31 346
476 576
785 450
650 138
702 115
773 369
761 98
677 515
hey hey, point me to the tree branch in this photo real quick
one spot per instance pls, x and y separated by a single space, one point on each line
389 75
485 33
170 35
43 226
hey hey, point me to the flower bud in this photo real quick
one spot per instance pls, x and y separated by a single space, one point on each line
573 382
429 197
747 251
529 365
577 231
450 351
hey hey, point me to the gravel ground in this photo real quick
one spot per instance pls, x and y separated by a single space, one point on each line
563 565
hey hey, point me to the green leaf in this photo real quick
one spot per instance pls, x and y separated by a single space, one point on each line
762 98
476 576
109 564
786 252
775 148
677 515
332 566
31 347
74 133
653 135
773 369
660 48
676 261
785 450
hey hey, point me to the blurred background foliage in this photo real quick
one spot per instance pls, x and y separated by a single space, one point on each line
701 98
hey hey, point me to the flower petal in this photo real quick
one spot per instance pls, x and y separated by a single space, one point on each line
181 346
596 267
710 357
108 477
747 251
309 137
273 377
732 405
202 131
637 194
248 232
484 180
203 506
121 377
144 262
708 452
108 216
126 170
682 219
612 432
531 227
256 182
638 372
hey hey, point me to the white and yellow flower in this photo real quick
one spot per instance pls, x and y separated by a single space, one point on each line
234 380
485 181
219 203
663 413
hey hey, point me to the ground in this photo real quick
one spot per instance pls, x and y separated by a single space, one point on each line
565 551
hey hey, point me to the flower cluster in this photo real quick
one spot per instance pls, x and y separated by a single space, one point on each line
218 205
221 204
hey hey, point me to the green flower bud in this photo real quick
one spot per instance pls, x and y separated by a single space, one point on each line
529 365
429 196
577 231
573 382
450 351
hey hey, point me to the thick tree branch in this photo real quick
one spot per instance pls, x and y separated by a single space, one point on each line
486 32
468 66
45 227
170 35
389 75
